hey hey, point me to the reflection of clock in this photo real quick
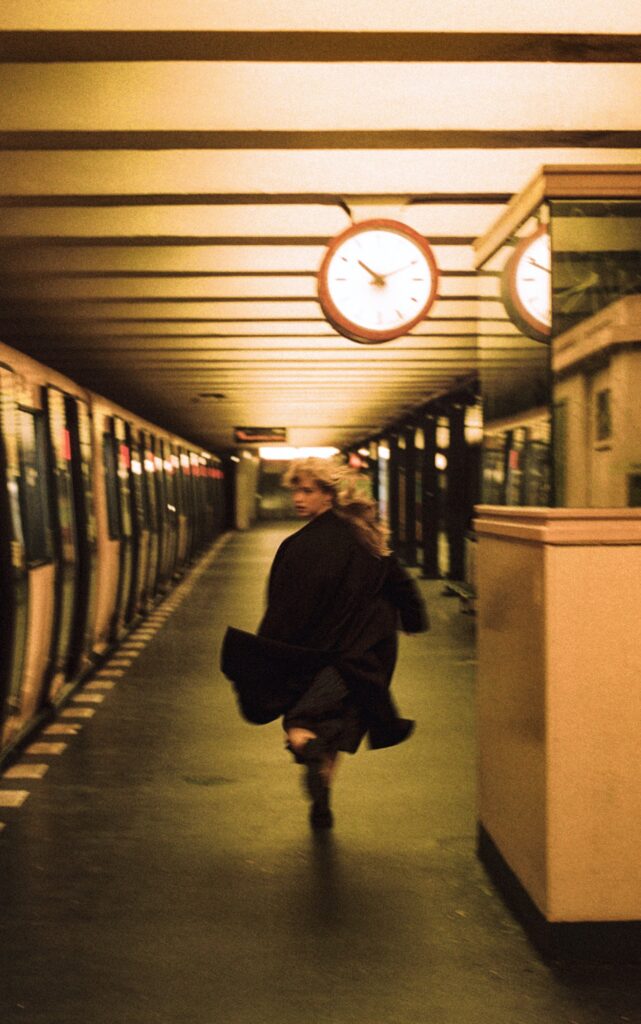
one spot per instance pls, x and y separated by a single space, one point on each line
377 281
526 285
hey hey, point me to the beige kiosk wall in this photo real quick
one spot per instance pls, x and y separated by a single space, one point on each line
559 705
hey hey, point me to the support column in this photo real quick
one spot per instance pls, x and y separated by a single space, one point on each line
430 500
393 490
410 498
456 512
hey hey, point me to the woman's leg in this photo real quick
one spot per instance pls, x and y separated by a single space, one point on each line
313 728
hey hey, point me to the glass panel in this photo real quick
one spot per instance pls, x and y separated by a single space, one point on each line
123 453
515 371
34 488
596 252
111 485
596 246
13 576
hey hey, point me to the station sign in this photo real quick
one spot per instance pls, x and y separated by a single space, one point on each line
260 435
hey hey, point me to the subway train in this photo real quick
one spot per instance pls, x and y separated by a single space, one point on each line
100 513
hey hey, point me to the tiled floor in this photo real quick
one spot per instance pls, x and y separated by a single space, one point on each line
162 871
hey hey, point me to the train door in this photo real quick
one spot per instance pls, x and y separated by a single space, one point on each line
117 458
79 426
65 533
170 465
164 540
37 524
140 528
13 570
185 509
196 480
151 502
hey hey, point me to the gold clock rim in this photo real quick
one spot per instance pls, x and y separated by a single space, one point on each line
526 321
348 328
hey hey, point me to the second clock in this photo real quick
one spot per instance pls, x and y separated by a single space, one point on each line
377 281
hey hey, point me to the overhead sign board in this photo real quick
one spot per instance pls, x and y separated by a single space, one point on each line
260 435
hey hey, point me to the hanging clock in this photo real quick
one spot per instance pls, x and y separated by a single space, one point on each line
526 285
377 281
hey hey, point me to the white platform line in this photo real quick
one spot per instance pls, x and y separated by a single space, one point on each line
13 797
26 771
54 748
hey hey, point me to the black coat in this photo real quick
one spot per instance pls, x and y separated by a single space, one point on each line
332 602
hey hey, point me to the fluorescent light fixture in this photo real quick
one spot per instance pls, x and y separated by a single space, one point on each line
283 453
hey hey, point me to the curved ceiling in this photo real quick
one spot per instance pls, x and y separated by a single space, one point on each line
170 178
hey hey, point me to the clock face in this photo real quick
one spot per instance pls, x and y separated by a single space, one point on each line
526 286
377 281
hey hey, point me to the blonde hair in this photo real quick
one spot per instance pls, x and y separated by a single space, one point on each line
351 500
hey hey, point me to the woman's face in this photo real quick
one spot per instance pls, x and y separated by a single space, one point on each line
309 500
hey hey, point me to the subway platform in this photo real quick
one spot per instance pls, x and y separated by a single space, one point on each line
157 867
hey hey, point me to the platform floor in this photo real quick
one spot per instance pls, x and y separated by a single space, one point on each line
163 872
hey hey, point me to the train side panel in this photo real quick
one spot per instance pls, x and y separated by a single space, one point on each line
100 513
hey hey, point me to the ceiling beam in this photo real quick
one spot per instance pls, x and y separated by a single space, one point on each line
343 139
330 47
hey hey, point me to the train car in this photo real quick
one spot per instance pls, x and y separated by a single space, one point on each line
100 513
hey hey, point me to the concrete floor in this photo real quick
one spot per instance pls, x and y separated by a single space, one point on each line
163 871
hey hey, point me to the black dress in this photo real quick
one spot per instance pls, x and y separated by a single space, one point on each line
328 594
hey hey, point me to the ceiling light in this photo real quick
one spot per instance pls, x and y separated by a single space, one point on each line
285 453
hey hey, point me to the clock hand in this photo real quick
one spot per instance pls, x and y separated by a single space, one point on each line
377 278
398 270
539 266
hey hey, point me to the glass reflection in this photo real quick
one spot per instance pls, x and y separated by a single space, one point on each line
515 375
596 352
561 419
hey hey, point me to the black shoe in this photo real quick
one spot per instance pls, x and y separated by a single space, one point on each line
313 756
321 816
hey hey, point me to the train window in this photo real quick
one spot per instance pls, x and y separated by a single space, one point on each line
140 507
34 488
111 484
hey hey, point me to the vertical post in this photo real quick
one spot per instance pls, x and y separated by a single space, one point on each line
430 510
393 490
372 463
410 497
455 505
